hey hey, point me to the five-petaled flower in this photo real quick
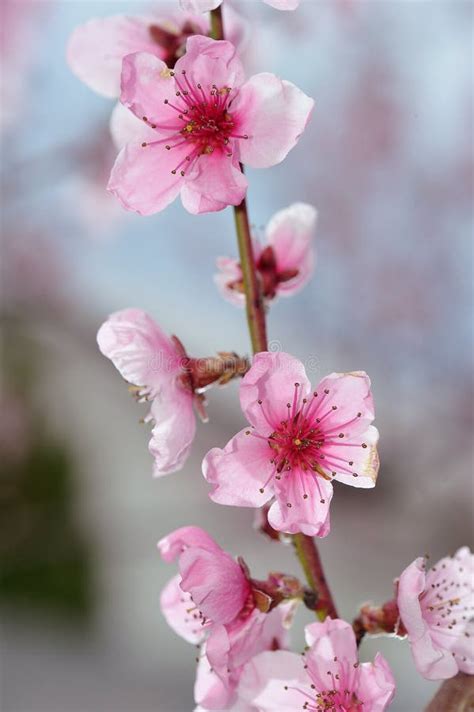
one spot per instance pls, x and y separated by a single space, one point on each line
297 443
198 122
159 370
212 602
284 264
327 678
153 363
437 612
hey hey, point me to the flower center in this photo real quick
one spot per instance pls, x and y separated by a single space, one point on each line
297 443
203 120
306 444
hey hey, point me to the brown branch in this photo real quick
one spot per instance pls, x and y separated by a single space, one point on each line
454 695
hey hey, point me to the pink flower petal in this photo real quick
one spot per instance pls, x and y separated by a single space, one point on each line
209 62
239 471
351 394
229 271
142 179
174 544
308 515
146 84
346 408
332 638
290 232
271 379
210 692
283 4
139 350
265 678
199 5
273 113
125 127
213 184
463 649
216 583
177 608
174 429
376 685
230 647
432 662
365 460
95 50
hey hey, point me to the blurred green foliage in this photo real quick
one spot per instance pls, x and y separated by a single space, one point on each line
44 558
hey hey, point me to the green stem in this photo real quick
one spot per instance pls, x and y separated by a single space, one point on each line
253 294
305 546
308 555
217 24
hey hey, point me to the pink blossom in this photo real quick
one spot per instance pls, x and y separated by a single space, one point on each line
436 609
198 123
297 443
229 648
216 605
96 49
152 362
285 263
327 677
208 5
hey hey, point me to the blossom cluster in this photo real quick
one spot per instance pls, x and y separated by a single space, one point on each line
187 122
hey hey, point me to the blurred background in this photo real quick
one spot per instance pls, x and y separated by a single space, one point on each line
387 160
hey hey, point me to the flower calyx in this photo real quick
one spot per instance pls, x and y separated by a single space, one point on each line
373 620
199 373
173 42
278 587
268 273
